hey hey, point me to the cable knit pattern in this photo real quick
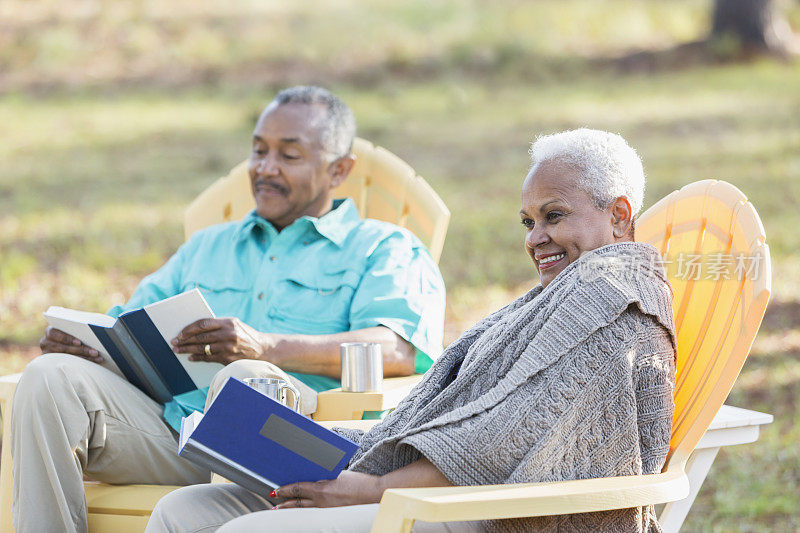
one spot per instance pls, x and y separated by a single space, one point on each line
572 381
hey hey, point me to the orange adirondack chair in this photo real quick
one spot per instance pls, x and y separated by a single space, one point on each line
717 321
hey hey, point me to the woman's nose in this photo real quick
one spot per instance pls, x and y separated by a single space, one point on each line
536 237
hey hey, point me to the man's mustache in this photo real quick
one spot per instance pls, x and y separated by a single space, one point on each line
265 184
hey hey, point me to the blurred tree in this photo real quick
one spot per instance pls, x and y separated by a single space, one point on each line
753 25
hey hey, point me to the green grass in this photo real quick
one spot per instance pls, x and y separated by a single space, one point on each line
112 119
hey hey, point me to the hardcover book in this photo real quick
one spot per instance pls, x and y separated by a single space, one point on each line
259 443
137 344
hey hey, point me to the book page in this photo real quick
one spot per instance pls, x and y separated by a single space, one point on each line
170 316
188 423
76 323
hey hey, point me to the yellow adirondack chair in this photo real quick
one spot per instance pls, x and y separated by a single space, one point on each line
384 187
717 321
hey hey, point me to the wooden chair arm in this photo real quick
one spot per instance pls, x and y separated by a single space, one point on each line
400 507
337 405
363 425
8 385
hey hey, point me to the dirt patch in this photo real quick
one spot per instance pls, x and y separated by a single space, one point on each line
781 316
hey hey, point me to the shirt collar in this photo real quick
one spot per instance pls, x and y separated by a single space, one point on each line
334 225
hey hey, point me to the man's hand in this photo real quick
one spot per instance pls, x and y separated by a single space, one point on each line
56 341
228 339
350 488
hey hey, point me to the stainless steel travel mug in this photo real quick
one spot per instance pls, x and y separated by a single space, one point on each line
276 389
362 367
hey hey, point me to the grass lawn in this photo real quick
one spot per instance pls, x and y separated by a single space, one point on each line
113 118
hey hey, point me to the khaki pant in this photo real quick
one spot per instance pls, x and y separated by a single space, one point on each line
71 416
229 508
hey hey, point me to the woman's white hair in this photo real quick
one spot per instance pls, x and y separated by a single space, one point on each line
607 166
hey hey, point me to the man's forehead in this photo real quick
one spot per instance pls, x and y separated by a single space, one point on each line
291 122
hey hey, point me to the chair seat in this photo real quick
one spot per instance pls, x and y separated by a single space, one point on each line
132 500
122 508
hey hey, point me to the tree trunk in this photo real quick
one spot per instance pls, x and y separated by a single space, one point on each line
757 25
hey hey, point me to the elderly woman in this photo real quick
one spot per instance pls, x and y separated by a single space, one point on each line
573 380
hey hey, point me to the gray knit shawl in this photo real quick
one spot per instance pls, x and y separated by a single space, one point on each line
572 381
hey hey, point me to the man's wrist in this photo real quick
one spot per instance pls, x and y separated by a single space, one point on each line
271 348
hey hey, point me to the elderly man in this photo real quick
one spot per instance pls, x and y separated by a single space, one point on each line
299 275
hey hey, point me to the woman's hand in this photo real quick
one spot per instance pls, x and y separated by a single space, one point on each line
350 488
355 488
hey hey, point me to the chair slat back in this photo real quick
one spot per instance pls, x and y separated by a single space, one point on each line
383 186
717 260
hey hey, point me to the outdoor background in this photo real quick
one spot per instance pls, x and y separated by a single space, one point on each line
113 116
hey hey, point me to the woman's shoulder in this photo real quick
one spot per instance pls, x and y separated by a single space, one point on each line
652 339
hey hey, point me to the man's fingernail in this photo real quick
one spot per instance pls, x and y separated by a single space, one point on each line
76 342
273 495
175 341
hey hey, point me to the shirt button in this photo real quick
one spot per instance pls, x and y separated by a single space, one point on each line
273 258
260 295
305 243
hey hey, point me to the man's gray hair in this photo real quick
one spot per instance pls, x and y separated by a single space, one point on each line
340 125
607 166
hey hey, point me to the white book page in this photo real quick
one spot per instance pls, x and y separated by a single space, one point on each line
76 323
188 423
170 316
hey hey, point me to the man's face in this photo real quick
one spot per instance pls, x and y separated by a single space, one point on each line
290 173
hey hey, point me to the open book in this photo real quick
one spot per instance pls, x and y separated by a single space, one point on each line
137 344
259 443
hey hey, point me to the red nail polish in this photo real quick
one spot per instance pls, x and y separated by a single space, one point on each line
273 495
274 508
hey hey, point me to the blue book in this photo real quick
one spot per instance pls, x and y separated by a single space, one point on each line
259 443
137 344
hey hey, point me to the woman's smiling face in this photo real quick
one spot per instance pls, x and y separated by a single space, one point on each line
561 220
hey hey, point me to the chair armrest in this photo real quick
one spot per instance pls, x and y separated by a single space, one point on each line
400 507
337 405
363 425
8 385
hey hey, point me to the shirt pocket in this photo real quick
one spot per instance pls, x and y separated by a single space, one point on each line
315 302
226 293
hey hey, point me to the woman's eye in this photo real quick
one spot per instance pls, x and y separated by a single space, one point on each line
259 151
553 215
290 156
527 222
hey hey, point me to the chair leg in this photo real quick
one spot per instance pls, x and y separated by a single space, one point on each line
697 468
390 519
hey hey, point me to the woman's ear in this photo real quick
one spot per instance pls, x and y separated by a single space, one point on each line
622 219
340 168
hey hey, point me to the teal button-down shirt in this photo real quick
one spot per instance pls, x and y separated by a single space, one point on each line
317 276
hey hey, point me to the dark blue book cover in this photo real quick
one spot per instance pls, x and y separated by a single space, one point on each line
264 436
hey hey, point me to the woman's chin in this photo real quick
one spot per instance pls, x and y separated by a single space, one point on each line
546 276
